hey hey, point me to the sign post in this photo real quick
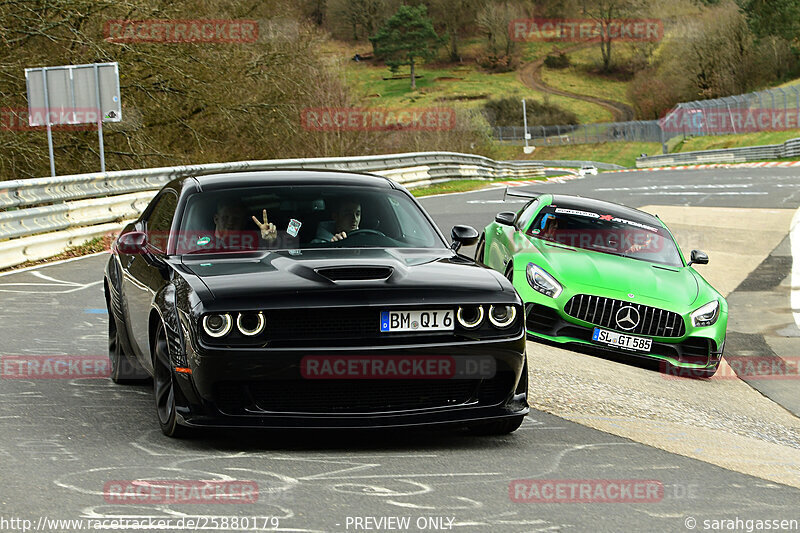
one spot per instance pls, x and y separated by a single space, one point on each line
527 149
74 94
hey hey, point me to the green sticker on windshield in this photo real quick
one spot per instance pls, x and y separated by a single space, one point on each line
202 241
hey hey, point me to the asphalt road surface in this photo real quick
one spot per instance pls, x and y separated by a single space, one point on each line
721 450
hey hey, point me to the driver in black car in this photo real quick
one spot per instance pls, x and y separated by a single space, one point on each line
346 217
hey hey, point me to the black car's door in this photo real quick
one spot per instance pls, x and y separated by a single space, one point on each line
142 275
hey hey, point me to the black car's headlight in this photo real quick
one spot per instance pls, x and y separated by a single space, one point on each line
543 282
706 315
217 324
470 317
250 324
502 316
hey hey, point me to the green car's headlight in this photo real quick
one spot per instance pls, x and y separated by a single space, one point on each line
706 315
543 282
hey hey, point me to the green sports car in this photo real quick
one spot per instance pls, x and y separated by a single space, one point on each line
601 274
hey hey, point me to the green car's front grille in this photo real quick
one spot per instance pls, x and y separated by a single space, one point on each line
625 316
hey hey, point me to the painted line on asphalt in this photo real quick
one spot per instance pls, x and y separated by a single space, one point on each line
43 265
794 239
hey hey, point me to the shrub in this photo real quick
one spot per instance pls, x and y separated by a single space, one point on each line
495 63
556 60
508 112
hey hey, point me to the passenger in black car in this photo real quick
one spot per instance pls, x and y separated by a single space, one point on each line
230 232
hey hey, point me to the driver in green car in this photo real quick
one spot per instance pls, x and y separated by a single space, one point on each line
346 217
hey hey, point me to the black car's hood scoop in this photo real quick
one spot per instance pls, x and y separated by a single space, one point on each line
355 273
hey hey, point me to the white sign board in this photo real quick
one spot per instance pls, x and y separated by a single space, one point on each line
73 94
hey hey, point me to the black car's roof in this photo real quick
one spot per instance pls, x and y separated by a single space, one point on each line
602 207
290 177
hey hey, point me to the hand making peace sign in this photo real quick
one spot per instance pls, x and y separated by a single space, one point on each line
269 232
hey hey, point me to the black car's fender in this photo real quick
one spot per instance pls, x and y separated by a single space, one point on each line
115 304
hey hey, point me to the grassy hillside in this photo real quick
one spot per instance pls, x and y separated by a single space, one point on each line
582 75
463 85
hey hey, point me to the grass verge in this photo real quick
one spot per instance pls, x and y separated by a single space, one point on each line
715 142
455 186
619 153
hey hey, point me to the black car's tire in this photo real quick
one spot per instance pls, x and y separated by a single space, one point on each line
165 388
496 427
124 369
480 255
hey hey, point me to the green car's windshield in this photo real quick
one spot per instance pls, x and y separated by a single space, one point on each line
607 233
302 217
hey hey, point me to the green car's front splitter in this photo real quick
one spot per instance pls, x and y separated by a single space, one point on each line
713 360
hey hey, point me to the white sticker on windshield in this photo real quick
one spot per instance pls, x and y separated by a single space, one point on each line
610 218
294 227
576 212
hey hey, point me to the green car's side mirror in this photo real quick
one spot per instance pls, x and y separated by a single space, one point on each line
698 258
506 218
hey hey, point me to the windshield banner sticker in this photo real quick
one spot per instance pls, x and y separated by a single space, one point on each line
610 218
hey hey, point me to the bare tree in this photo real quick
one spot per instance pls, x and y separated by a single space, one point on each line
456 16
362 17
606 13
493 21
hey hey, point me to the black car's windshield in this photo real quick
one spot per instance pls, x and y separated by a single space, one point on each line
302 217
607 233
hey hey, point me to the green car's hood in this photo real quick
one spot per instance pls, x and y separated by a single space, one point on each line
620 274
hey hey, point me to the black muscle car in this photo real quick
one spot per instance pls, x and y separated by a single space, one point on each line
311 299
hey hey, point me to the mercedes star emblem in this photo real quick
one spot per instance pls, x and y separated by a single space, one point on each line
627 318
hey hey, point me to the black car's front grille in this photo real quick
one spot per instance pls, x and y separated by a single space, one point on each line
607 312
358 326
358 396
306 324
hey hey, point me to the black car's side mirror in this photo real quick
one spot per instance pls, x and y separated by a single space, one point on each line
506 218
133 243
463 236
698 258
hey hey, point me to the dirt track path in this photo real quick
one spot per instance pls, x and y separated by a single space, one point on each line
530 74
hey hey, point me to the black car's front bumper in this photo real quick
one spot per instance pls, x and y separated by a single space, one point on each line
234 388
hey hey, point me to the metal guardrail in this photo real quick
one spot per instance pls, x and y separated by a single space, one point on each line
790 148
578 164
40 217
15 193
